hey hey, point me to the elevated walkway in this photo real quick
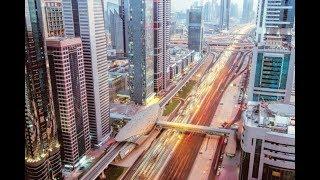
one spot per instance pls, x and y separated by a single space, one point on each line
194 128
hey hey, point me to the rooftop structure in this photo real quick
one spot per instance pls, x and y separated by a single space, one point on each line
274 117
268 141
140 124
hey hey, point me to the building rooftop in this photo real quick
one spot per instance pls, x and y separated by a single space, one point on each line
274 116
140 124
125 110
178 53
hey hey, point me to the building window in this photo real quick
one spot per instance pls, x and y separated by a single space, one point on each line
256 160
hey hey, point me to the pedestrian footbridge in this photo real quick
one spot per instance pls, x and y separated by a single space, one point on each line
194 128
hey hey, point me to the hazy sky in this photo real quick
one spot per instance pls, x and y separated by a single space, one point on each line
178 5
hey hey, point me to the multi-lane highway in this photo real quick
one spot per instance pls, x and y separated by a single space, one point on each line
182 160
173 154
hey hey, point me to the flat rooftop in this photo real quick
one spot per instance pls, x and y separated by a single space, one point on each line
125 110
274 116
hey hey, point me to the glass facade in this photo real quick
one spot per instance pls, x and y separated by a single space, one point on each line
40 130
271 72
141 47
195 31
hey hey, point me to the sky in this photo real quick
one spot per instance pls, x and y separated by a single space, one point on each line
178 5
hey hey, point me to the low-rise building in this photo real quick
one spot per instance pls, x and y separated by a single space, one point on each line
181 59
268 141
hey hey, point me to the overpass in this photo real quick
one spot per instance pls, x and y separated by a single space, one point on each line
182 127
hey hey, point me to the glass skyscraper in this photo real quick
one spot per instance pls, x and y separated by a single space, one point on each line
195 28
141 47
84 18
271 75
42 151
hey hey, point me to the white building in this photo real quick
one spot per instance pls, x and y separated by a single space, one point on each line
274 14
268 141
84 18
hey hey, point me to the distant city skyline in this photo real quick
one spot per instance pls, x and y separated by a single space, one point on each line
182 5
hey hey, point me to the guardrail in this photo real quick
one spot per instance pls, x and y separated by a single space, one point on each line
103 162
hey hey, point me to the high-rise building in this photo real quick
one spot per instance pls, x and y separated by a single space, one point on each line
216 11
114 24
166 42
42 149
124 15
141 51
268 141
247 11
224 14
70 98
271 73
274 18
234 10
207 11
54 19
162 16
84 18
195 28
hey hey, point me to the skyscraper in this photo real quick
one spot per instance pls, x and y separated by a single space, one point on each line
224 14
275 18
207 11
234 10
84 18
70 98
195 29
271 74
124 15
161 46
114 24
166 42
247 11
141 51
54 20
42 151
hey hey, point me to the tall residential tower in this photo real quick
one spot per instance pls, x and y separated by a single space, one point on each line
271 74
84 18
247 11
54 19
162 18
114 24
224 14
70 98
42 149
141 51
195 28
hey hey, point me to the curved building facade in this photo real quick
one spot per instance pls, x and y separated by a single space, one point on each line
268 142
140 124
42 150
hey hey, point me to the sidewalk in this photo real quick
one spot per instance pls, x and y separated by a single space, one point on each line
225 112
